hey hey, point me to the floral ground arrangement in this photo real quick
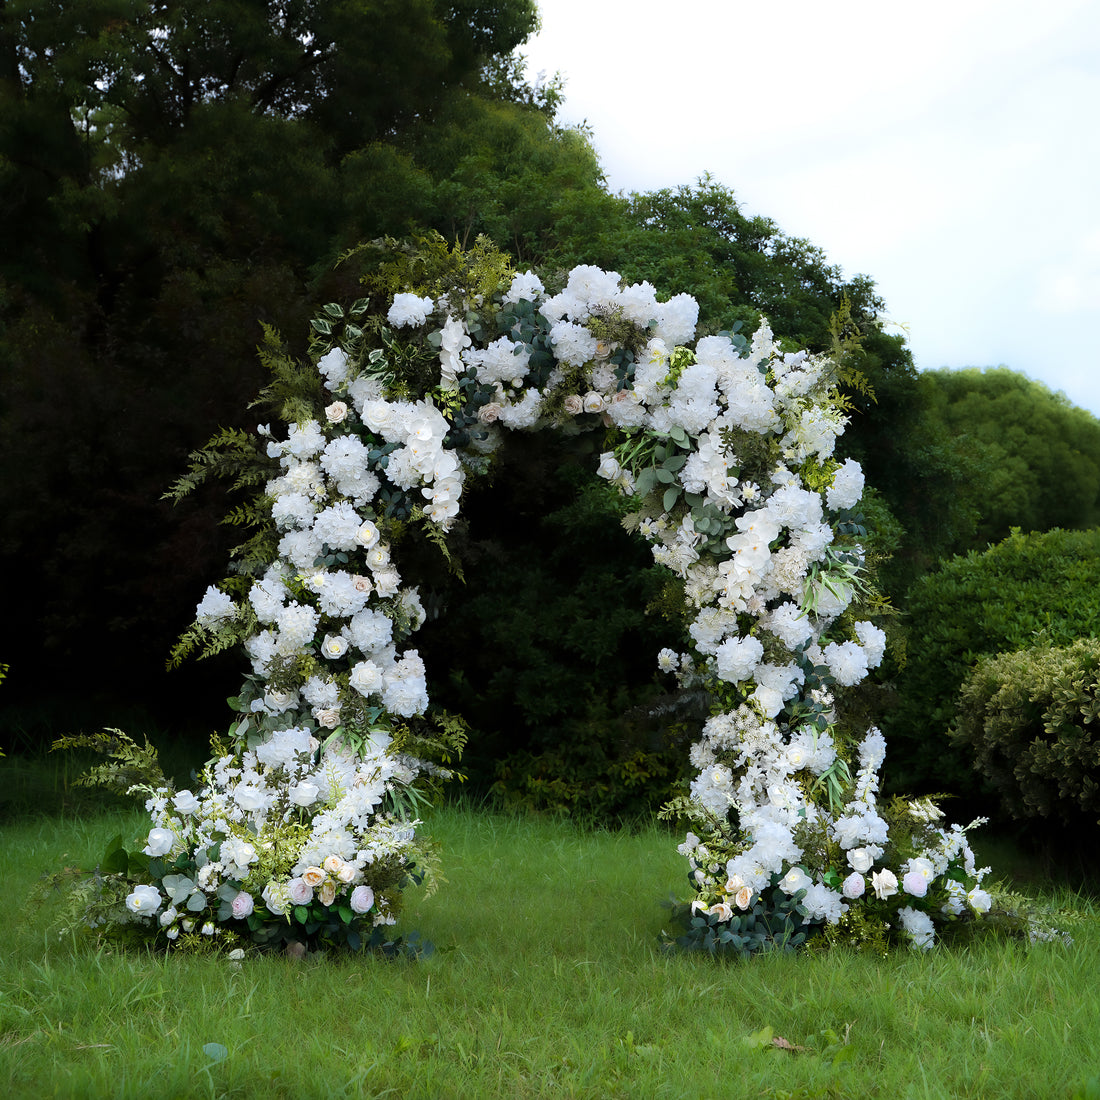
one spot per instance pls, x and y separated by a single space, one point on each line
303 829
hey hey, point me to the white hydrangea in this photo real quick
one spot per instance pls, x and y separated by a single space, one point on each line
409 310
847 486
333 367
737 658
215 608
573 343
525 287
847 662
338 526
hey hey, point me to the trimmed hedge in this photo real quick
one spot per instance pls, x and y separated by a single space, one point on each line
1030 720
1027 590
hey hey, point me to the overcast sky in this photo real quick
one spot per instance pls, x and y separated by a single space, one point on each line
950 149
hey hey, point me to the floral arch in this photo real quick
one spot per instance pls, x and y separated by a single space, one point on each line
305 826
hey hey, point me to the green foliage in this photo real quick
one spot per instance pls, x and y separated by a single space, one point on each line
618 764
1025 590
130 765
1038 455
425 264
546 649
774 922
1029 720
231 455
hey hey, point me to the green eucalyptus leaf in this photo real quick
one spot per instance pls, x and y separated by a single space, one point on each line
645 482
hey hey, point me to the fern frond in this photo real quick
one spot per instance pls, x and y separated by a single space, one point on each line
130 765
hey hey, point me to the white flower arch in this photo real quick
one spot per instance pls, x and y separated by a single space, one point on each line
727 447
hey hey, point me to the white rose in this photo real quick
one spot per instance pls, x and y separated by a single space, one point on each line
915 883
185 802
327 893
609 466
368 534
160 842
885 884
304 793
573 404
336 412
249 797
768 699
861 860
334 646
275 898
980 900
242 905
328 718
794 880
594 402
853 886
145 900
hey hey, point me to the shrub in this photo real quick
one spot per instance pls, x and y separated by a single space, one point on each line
1026 590
1028 718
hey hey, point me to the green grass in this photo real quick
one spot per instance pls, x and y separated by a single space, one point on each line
547 981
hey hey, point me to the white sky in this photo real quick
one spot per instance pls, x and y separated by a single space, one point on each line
950 149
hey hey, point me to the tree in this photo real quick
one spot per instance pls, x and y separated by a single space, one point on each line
173 176
1040 454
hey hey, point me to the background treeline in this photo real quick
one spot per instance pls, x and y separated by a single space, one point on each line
175 177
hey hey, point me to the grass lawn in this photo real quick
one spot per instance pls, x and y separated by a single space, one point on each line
547 981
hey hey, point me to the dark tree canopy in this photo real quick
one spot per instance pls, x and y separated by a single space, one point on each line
1039 455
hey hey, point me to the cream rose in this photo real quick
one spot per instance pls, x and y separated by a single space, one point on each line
328 718
885 884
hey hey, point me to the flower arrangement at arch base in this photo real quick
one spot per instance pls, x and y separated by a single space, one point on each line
294 844
302 830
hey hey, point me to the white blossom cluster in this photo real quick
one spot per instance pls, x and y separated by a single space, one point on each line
235 830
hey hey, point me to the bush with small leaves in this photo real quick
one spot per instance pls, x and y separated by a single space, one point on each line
1026 590
1029 718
